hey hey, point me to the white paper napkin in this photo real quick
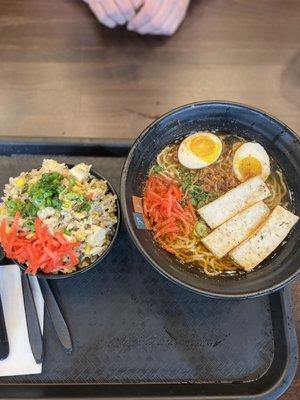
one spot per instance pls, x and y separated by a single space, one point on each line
20 360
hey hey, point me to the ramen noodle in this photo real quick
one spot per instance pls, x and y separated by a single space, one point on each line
189 174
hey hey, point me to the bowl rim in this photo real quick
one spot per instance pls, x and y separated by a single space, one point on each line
77 272
125 212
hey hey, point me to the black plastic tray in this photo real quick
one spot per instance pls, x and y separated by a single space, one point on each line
138 335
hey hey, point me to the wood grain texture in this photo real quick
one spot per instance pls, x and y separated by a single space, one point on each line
62 74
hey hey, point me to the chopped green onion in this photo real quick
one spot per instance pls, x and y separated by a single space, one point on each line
155 169
81 203
13 206
201 228
45 193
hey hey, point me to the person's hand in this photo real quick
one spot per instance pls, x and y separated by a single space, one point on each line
114 12
159 17
137 3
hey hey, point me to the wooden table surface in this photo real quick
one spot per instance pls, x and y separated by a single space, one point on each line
62 74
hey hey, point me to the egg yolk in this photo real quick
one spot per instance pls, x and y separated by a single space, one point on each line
204 148
249 167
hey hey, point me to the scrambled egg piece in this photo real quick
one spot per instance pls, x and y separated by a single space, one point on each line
20 182
77 189
67 204
2 209
80 235
87 249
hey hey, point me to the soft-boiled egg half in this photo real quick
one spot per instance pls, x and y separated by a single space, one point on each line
199 150
251 159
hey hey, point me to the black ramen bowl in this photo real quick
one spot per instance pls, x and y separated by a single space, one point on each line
95 263
252 124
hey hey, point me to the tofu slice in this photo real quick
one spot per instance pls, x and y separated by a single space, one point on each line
265 239
236 229
234 201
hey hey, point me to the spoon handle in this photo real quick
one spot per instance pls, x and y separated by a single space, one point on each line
56 316
32 321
